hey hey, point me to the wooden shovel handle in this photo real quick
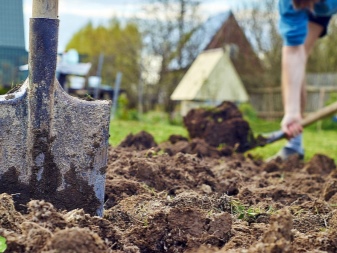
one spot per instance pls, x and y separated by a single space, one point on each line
311 118
320 114
45 9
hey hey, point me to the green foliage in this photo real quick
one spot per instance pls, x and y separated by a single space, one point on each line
176 119
243 212
3 244
122 107
123 111
248 213
248 112
121 47
158 116
155 117
132 114
87 97
259 126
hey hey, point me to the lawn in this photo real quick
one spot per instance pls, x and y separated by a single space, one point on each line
322 142
161 131
315 141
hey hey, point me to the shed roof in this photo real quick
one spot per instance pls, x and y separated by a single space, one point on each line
204 34
212 76
197 75
210 28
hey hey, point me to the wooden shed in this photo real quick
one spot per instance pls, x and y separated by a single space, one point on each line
238 64
211 79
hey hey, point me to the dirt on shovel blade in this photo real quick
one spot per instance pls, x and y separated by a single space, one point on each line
185 195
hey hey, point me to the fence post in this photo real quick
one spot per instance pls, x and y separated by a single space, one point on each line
320 105
116 92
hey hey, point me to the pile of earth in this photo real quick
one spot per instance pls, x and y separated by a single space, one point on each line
213 132
160 200
220 126
182 203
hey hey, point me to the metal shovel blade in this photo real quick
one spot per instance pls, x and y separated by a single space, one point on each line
52 146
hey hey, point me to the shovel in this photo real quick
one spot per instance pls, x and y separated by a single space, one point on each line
52 146
311 118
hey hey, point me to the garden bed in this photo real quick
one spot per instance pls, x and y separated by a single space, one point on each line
189 196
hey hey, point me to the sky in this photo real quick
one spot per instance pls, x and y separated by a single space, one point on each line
74 14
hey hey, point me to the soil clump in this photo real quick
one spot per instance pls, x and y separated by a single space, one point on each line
220 126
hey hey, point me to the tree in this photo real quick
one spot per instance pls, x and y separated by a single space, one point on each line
259 20
167 34
121 46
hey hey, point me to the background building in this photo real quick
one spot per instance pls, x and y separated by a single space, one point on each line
224 70
12 42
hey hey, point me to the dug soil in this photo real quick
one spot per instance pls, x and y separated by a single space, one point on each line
190 195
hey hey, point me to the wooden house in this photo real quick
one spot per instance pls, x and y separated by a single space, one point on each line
211 79
223 43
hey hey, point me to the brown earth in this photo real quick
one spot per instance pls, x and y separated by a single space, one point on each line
220 126
189 196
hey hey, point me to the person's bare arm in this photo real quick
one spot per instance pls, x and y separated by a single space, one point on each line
294 60
293 71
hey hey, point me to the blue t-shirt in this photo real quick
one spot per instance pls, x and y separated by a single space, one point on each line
293 23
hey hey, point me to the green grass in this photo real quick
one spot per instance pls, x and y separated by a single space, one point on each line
119 129
315 141
322 142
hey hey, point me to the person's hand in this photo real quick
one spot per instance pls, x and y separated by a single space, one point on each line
291 125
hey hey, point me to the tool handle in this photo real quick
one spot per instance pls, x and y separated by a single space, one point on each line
45 9
320 114
311 118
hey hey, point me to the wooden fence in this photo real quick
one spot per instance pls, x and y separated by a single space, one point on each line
268 101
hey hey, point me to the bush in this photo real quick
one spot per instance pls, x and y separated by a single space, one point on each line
176 119
248 111
154 117
123 112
